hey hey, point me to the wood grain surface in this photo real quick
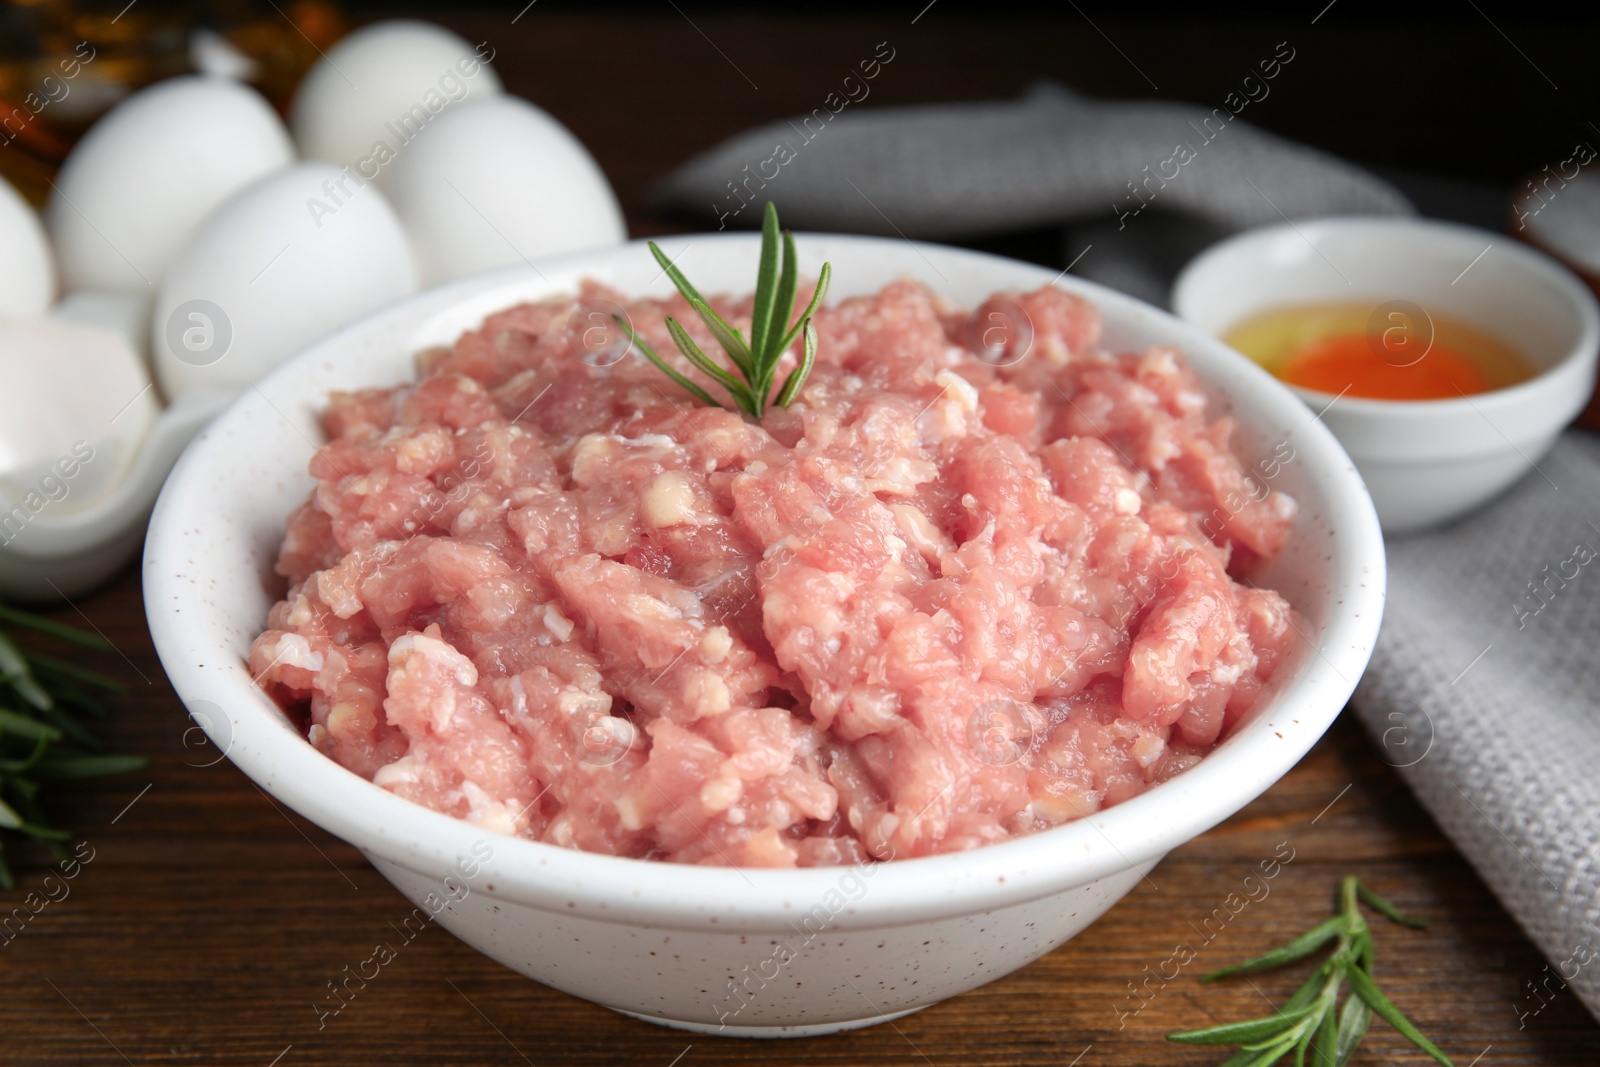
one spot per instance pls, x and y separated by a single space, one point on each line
210 917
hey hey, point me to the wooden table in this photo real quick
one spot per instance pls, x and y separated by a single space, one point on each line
210 917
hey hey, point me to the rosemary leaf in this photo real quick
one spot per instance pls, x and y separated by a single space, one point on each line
61 632
666 368
21 726
706 365
1250 1030
811 309
19 766
1353 1021
1363 950
1299 948
15 673
725 334
675 275
1308 992
1388 910
71 728
798 375
51 665
70 767
788 284
1362 985
1271 1055
75 698
766 296
1327 1039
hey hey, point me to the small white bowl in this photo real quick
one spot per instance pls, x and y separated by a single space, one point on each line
1424 461
661 940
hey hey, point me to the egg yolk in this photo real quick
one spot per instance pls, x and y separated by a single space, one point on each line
1346 363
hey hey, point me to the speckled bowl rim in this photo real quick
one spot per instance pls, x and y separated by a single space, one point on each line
190 549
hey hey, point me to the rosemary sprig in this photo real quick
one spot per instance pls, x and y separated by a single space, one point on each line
756 360
42 739
1311 1019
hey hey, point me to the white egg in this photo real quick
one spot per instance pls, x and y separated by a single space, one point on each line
211 53
287 260
134 189
498 182
76 405
27 269
380 87
123 315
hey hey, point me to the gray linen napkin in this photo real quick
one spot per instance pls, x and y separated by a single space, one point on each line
1051 157
1483 691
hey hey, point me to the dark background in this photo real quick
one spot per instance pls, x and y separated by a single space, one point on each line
211 916
1483 93
1456 103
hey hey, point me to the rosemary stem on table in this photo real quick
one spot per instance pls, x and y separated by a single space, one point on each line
1311 1021
42 740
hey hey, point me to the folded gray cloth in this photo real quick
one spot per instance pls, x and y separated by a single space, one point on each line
1143 184
1484 690
958 170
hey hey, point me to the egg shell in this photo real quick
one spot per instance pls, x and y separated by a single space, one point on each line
134 189
27 269
76 405
287 260
380 87
497 182
212 53
124 315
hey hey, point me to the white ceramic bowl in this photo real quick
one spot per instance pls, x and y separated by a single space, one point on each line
661 940
1425 461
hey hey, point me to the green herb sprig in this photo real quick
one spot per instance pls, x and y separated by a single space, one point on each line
1311 1019
756 360
43 739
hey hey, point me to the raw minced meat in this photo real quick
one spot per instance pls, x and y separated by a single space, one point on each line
941 600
